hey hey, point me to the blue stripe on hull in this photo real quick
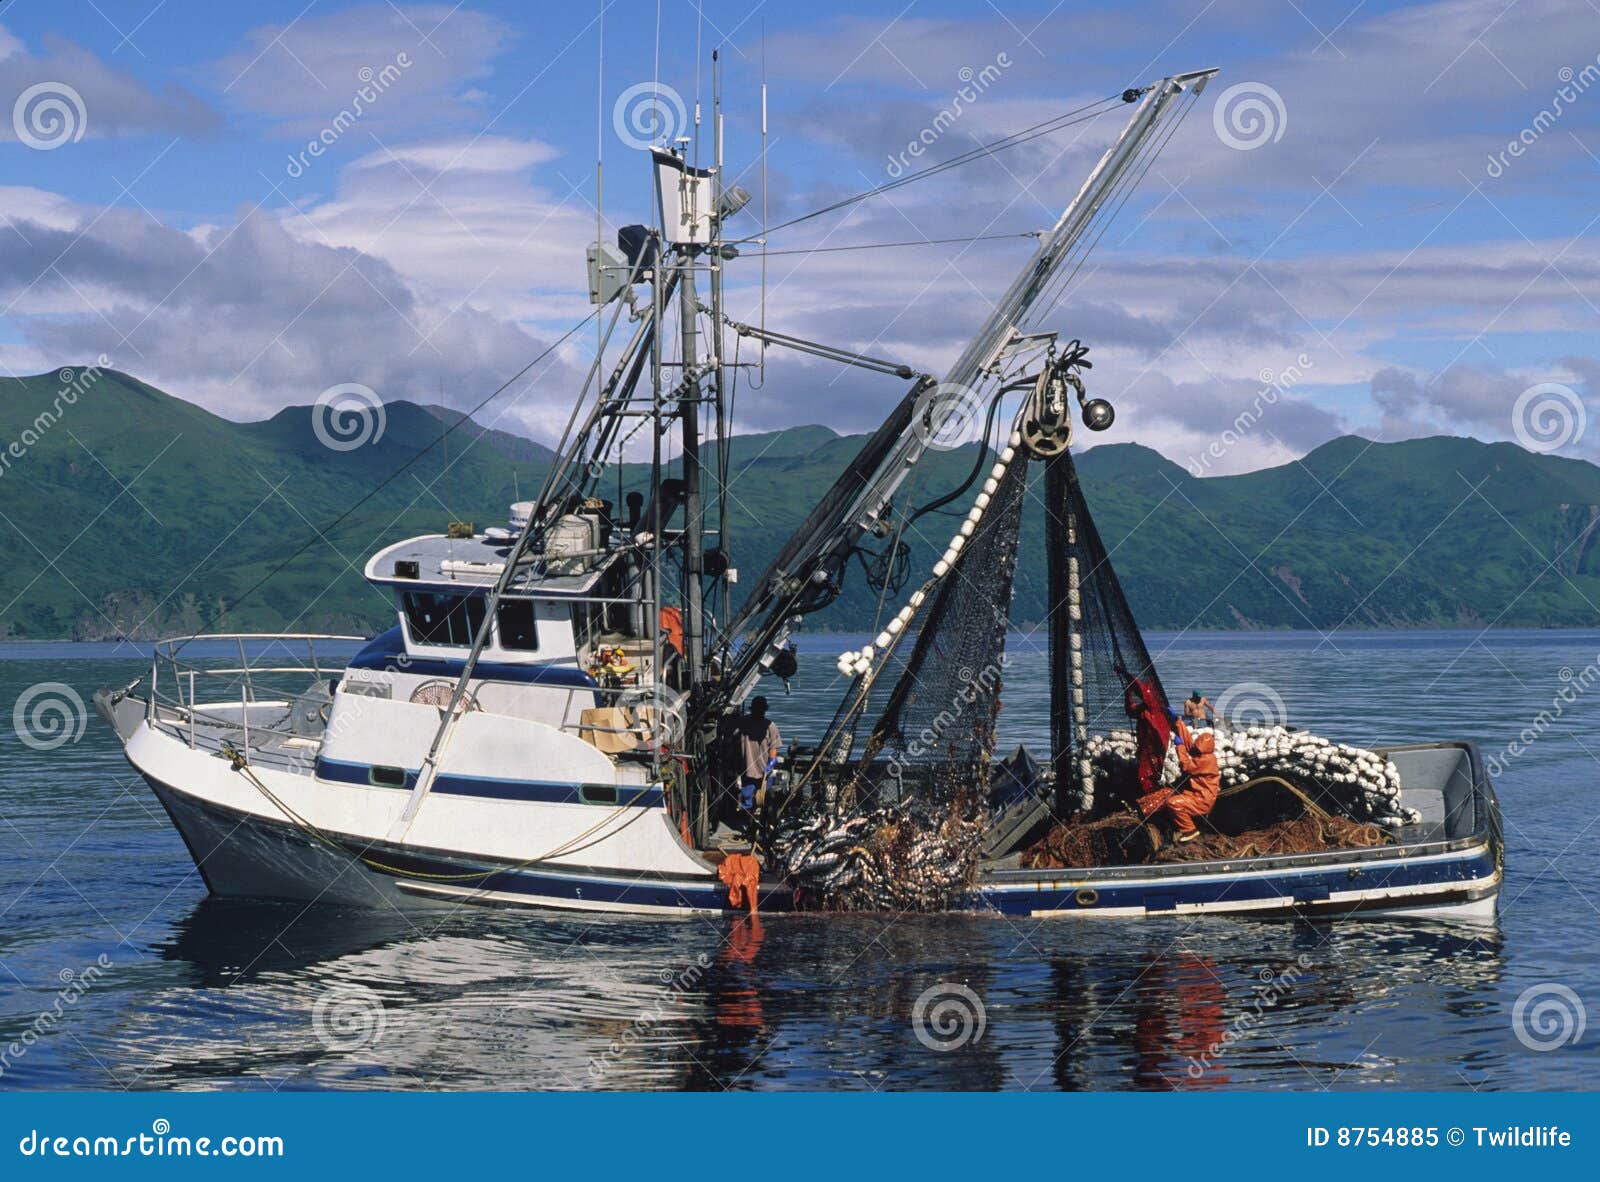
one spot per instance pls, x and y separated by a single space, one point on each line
1303 891
558 887
341 771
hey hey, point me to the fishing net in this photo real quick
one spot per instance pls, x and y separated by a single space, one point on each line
936 734
905 830
1263 818
1101 675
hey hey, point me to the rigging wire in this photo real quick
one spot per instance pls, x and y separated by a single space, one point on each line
1107 214
1045 127
405 465
763 381
910 242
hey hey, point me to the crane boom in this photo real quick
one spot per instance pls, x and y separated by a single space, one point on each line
769 616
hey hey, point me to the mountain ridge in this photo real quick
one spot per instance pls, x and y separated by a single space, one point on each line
129 511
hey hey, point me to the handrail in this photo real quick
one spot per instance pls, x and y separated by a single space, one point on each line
170 641
186 705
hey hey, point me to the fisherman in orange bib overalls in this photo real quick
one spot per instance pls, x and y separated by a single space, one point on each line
1197 758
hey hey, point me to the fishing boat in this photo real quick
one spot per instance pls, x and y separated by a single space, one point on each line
552 719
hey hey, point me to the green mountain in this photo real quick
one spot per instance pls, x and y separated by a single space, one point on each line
126 511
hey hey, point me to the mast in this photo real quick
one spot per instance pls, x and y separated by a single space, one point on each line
718 374
693 502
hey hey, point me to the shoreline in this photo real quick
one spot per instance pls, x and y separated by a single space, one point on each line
812 643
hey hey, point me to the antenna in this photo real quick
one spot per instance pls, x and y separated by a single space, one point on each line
600 169
655 86
699 29
720 208
762 361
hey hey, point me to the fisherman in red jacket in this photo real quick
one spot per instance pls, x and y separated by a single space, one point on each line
1152 728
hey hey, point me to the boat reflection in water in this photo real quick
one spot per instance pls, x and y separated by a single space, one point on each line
284 998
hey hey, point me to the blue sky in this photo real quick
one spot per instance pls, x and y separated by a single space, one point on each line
1369 234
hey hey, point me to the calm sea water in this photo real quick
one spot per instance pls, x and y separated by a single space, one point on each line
117 972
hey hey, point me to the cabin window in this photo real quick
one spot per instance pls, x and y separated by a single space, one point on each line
519 629
443 619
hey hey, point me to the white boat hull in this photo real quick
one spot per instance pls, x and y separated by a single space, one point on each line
244 846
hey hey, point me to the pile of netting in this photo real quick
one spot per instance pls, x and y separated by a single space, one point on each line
1125 840
894 858
1345 781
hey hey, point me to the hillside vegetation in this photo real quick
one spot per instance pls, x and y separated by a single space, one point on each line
132 512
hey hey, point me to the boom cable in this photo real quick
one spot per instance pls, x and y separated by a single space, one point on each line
1015 234
404 466
1045 127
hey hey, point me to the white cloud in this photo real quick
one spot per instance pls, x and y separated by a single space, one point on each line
114 102
466 154
436 257
304 73
467 221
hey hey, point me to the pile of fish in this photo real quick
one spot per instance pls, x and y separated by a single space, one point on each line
895 858
1348 781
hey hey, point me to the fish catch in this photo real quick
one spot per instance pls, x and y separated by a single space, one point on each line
894 858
